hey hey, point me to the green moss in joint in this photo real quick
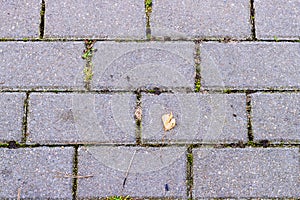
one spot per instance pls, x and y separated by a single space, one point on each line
197 86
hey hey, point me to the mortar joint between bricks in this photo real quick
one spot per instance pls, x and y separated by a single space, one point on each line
189 172
138 113
75 173
148 11
25 118
252 20
249 117
87 55
197 61
42 20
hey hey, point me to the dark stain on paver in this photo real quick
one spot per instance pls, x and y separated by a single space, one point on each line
67 115
12 145
6 172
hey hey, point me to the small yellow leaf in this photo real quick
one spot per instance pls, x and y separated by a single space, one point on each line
168 121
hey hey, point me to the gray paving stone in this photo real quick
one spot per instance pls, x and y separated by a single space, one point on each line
248 65
150 171
95 19
275 117
275 18
36 171
11 118
199 117
56 65
244 173
90 118
128 66
190 19
20 19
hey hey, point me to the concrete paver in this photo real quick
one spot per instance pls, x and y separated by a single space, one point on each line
95 19
35 171
208 118
154 172
192 19
46 65
90 118
20 19
277 19
242 173
140 65
247 65
11 117
275 117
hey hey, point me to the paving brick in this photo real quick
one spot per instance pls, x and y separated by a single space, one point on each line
275 117
56 65
248 65
199 117
128 66
244 173
19 19
190 19
35 172
275 18
154 172
95 19
65 118
11 118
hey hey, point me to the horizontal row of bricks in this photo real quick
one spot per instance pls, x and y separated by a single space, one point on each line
62 118
129 66
45 172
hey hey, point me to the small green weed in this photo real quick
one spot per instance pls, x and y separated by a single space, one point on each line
197 86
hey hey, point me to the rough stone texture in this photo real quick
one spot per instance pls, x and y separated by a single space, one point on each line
19 19
150 171
67 118
35 172
248 65
276 117
11 117
188 18
56 65
199 117
242 173
275 18
95 19
128 66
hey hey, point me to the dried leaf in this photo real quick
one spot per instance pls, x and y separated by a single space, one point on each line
168 121
138 113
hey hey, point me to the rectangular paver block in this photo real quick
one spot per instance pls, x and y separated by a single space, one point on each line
244 173
199 118
56 65
95 19
152 172
248 65
209 18
36 173
11 117
91 118
276 117
129 66
19 19
277 19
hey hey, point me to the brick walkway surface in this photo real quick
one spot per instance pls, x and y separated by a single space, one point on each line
84 85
